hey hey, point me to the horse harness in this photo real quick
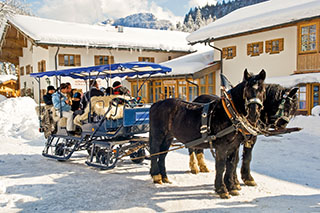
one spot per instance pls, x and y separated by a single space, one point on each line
239 123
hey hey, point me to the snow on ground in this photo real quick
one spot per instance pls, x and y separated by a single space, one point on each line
286 169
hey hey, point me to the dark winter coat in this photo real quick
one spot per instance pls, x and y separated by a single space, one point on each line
48 99
85 99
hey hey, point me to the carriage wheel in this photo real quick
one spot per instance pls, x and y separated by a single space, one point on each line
140 153
107 158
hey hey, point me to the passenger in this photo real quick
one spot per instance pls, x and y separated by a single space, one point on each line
118 89
69 92
94 91
61 102
109 91
48 97
76 101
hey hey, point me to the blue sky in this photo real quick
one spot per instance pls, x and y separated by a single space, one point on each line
92 11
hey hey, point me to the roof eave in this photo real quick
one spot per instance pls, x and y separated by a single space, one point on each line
208 40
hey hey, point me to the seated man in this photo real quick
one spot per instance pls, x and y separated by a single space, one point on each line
61 102
118 89
94 91
48 97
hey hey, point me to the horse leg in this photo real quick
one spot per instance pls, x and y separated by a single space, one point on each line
200 157
155 170
161 163
235 176
245 168
231 166
193 164
220 187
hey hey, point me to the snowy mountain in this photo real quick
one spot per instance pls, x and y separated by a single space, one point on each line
141 20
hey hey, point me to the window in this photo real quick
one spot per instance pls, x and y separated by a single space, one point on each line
69 60
308 38
302 97
146 59
29 69
229 52
255 49
42 66
103 59
274 46
21 71
315 95
207 84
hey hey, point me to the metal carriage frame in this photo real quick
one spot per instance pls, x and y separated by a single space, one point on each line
106 141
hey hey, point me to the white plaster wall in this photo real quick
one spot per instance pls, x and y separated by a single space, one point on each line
280 64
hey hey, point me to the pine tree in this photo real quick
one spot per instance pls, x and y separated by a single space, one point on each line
198 20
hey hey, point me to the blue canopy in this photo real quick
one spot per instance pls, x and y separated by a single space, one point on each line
129 69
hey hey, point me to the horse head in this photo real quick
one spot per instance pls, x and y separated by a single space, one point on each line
253 95
286 109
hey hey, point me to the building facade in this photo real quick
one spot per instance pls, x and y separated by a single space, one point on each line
281 40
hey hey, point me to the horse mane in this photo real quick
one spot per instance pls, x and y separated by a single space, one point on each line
237 98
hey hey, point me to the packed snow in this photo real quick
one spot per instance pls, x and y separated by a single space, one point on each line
4 78
286 169
259 16
294 80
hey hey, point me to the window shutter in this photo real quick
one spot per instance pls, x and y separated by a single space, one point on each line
281 44
111 60
44 68
77 60
152 59
31 69
260 47
21 70
268 46
224 52
96 60
234 51
249 49
61 60
140 59
39 66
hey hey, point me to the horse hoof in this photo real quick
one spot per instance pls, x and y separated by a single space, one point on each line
204 169
166 180
195 171
234 192
225 195
238 187
250 183
157 179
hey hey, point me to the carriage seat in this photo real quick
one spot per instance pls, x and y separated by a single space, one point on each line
100 105
55 114
62 122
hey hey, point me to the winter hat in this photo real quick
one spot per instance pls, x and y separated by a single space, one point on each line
116 83
50 88
77 95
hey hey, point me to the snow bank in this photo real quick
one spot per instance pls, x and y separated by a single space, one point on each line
18 118
315 111
4 78
310 124
2 98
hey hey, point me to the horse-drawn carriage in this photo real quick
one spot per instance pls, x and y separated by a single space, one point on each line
109 124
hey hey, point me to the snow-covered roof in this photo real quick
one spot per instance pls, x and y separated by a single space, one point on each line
293 80
190 63
259 16
48 31
4 78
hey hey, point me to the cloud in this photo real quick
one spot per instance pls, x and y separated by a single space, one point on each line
201 3
92 11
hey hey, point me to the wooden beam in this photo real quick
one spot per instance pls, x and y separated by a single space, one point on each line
13 51
16 42
14 60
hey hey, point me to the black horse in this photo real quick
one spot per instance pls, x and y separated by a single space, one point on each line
174 118
279 107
